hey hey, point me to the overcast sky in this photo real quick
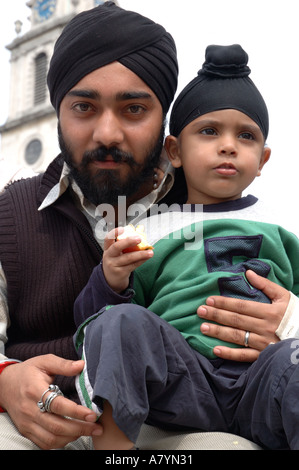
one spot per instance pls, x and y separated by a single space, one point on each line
266 29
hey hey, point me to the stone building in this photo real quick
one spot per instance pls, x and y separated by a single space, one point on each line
29 135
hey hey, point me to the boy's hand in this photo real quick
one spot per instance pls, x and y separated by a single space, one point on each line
117 266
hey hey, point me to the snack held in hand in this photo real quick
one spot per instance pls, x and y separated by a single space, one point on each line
131 231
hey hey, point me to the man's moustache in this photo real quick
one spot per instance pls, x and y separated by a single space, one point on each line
101 154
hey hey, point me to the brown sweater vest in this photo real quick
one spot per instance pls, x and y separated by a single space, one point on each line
47 257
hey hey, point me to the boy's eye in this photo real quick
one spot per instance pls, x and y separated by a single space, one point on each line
247 136
208 131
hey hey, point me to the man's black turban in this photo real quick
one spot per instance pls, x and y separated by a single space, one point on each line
108 33
222 83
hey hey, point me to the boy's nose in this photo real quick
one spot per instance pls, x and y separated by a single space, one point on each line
227 146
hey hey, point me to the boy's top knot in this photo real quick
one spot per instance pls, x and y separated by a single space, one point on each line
225 61
222 83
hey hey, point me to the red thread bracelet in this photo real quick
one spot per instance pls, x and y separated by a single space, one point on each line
3 365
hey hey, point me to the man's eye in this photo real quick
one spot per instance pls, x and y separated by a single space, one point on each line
82 107
136 109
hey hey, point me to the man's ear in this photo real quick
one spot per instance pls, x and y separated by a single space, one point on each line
264 158
172 148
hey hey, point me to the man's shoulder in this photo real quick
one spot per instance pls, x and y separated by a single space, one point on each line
37 186
20 198
24 184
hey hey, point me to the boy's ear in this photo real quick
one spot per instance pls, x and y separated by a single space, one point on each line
265 157
172 148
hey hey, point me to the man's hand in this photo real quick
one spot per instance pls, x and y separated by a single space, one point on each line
21 387
234 317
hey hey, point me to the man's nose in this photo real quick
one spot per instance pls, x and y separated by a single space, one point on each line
108 131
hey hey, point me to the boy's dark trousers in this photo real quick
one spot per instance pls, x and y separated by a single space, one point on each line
148 372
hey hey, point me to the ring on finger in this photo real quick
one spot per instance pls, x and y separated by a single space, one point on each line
246 339
55 392
50 398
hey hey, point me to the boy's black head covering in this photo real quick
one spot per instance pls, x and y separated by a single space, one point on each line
222 83
108 33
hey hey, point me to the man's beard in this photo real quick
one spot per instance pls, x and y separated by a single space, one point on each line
106 185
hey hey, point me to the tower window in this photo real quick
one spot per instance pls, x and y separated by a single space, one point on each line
40 90
33 151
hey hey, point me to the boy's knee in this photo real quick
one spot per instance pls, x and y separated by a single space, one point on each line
126 311
126 316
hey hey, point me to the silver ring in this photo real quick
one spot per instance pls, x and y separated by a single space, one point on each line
55 392
50 398
246 340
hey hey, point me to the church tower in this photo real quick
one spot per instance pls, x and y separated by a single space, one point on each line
29 135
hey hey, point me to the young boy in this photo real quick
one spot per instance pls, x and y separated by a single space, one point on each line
151 361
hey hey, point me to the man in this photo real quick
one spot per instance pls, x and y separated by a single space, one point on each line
111 93
112 78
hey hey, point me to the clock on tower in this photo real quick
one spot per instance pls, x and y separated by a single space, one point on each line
43 9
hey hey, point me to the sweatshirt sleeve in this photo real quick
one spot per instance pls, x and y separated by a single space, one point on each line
98 294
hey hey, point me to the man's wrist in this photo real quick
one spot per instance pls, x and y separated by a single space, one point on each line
289 325
3 366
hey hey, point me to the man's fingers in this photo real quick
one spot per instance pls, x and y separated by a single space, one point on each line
236 354
272 290
61 426
54 432
235 317
235 336
223 316
65 407
54 365
66 421
251 308
220 306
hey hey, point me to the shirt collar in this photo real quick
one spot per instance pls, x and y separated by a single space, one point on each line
145 203
57 190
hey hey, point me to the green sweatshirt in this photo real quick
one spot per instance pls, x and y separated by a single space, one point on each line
203 251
